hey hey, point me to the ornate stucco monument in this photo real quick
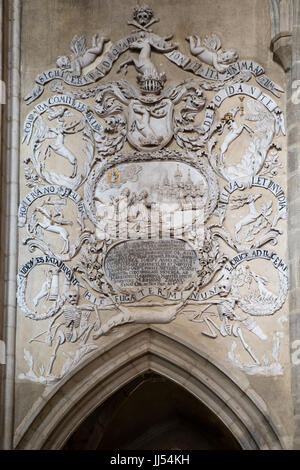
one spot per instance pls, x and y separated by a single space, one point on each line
152 200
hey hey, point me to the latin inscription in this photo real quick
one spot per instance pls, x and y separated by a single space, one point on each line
151 263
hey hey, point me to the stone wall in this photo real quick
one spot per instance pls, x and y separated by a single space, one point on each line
209 140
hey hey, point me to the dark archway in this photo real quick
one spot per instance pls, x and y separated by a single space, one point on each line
62 409
152 413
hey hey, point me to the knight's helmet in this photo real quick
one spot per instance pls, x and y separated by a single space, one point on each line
151 83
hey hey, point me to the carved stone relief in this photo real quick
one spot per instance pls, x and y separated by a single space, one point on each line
147 201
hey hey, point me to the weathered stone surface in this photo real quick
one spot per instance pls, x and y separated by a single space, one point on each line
50 352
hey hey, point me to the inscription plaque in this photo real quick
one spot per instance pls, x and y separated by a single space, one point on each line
151 263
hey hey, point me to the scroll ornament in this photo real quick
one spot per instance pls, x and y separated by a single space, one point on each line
133 188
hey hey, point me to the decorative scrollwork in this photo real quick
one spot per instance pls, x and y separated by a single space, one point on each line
121 170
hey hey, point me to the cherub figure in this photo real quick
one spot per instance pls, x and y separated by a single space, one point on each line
82 56
210 54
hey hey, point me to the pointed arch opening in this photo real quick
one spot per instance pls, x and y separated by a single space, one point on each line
152 413
62 409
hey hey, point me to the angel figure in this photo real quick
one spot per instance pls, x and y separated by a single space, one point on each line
82 56
210 54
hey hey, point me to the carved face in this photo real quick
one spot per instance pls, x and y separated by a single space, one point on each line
72 297
143 15
125 192
228 57
143 195
224 287
63 62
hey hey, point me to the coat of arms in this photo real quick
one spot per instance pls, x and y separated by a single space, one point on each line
130 187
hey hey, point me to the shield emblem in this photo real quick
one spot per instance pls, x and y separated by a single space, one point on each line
150 125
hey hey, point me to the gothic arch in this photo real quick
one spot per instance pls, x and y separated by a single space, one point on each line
61 409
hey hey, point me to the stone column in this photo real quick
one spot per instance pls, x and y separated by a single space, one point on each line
9 206
2 127
293 125
286 49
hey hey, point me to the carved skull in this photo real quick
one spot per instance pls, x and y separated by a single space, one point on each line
72 297
143 15
224 287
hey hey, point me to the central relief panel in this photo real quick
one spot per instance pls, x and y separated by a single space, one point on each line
148 198
157 206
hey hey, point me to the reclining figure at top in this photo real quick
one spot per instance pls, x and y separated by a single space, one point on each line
210 53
